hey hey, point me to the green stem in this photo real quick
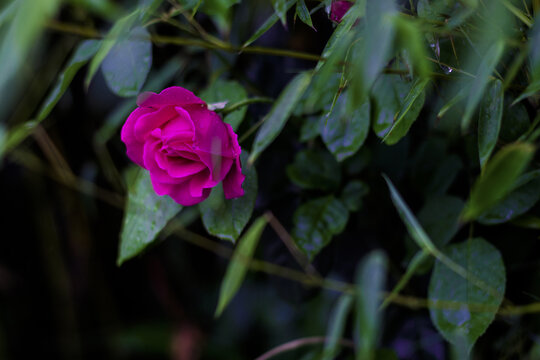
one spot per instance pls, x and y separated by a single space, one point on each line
236 106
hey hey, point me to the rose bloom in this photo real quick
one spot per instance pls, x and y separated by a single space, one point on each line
338 9
186 148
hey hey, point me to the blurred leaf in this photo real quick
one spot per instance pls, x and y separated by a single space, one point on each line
279 114
28 18
145 216
149 8
239 264
230 92
267 24
316 221
353 193
498 178
413 226
315 169
219 11
128 62
412 105
489 121
310 128
534 61
443 175
388 93
344 132
338 320
79 58
303 13
479 83
104 8
475 308
515 122
227 218
280 7
118 32
372 53
439 218
370 283
525 195
411 39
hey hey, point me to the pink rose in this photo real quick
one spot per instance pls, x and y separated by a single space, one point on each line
338 10
186 148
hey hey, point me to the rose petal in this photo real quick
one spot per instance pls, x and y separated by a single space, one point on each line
339 9
179 129
232 184
150 155
134 148
174 95
148 122
179 167
182 195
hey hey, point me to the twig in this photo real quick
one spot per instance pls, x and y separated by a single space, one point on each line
295 344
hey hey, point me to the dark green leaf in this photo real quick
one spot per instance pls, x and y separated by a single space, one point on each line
227 218
128 62
440 218
118 32
238 266
515 122
338 319
146 215
485 69
267 24
388 93
229 92
303 13
279 114
344 132
370 283
315 169
443 175
353 193
518 202
489 121
534 56
498 178
310 128
474 308
316 221
412 105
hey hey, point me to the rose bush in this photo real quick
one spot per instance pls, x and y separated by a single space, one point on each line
187 148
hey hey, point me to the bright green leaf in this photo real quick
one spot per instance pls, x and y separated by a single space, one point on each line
315 169
279 114
238 266
412 105
280 7
344 132
370 283
412 40
227 218
489 121
146 215
316 221
498 178
474 308
128 62
229 92
303 13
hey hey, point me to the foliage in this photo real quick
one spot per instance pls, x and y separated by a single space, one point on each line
409 127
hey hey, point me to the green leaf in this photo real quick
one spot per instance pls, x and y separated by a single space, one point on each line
440 218
370 283
413 226
353 194
474 308
229 92
498 178
279 114
310 128
518 202
303 13
534 57
267 24
338 319
489 120
344 132
146 215
316 221
227 218
127 64
488 64
412 39
412 105
238 266
388 94
118 32
280 7
315 169
515 122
